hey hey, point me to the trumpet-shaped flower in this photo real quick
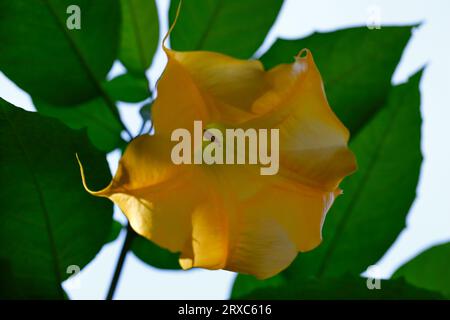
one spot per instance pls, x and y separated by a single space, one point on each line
229 216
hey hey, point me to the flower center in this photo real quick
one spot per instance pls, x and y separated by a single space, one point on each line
213 133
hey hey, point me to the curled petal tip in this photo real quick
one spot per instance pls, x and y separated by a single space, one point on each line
83 179
172 26
302 54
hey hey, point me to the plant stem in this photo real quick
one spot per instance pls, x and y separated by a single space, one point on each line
130 234
123 253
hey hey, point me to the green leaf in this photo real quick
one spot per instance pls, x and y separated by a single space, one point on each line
51 62
245 285
102 127
429 270
116 227
356 65
346 287
139 34
154 255
49 222
236 28
365 221
128 88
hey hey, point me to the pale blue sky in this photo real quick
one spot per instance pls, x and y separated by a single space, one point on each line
429 220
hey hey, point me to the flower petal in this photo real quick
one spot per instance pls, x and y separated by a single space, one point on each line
144 186
179 102
261 246
313 142
217 87
273 219
233 81
208 247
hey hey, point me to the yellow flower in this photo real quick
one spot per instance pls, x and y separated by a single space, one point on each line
225 216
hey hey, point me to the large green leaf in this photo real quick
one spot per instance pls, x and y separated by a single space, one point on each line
139 34
154 255
102 127
364 222
346 287
429 270
128 88
235 28
48 221
52 62
356 65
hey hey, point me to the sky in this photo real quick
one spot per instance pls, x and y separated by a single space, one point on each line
428 222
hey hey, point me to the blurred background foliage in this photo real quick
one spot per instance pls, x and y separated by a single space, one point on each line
47 220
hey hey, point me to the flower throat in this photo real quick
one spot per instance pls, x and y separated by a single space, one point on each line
216 144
